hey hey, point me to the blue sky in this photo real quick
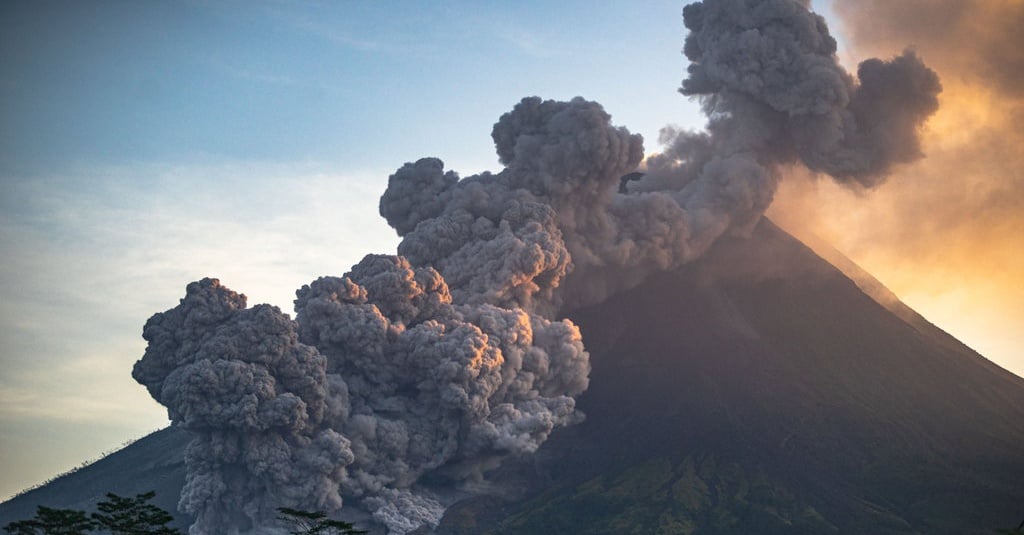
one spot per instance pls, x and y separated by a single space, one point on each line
144 145
148 144
340 82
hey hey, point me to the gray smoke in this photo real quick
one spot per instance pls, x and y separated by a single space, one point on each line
433 382
259 404
448 357
767 68
381 379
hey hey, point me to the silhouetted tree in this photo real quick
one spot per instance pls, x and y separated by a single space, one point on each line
52 522
133 516
314 523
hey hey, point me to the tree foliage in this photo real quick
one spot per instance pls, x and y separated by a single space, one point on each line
314 523
119 515
133 516
52 522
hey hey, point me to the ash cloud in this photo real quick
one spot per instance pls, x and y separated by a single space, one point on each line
381 379
766 73
449 356
258 402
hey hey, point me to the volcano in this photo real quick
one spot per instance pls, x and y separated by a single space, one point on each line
759 389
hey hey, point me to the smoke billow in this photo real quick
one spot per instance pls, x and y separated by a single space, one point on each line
258 402
767 76
382 378
449 356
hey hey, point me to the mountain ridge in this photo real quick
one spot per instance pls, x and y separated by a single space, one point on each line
878 425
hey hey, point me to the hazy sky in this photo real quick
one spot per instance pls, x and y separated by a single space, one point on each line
144 145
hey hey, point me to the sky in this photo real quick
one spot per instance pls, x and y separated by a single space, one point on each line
145 145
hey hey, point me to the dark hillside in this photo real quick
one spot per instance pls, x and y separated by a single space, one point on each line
155 462
762 387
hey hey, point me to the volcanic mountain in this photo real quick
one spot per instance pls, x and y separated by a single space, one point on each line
760 390
757 390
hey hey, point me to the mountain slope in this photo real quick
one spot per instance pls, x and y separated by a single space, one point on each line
155 462
758 390
816 406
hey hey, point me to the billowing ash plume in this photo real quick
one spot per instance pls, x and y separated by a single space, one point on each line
258 402
434 382
448 357
382 378
768 78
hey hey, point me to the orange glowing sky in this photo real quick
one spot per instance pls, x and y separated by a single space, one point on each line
945 233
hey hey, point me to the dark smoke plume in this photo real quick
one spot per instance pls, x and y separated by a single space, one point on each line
449 356
259 403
